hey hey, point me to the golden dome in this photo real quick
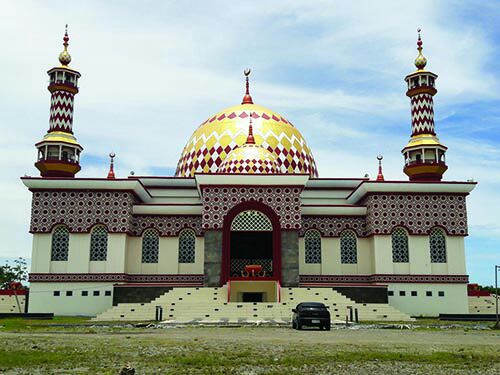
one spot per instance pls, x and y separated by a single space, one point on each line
222 133
420 61
64 56
251 159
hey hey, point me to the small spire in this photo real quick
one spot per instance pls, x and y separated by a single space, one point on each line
64 56
420 61
247 99
380 176
250 138
111 173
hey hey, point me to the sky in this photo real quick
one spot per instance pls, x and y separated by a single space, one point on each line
152 71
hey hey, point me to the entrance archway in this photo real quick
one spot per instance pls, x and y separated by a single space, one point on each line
251 236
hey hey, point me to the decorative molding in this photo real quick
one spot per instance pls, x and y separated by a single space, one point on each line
116 277
418 213
81 210
284 201
168 226
333 226
384 278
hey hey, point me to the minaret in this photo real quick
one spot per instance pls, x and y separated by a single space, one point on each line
59 152
424 155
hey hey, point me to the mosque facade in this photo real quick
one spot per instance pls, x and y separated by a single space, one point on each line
246 210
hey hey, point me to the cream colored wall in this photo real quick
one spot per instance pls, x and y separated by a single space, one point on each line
9 304
454 301
42 299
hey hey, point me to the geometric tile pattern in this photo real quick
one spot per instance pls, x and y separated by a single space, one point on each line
422 114
417 213
187 240
284 201
81 210
332 226
312 240
98 243
400 246
251 220
178 280
220 134
348 248
437 244
61 111
60 244
251 159
167 226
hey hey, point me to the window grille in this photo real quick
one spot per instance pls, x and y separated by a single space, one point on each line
312 239
251 221
348 248
437 243
60 244
400 252
187 240
99 243
150 244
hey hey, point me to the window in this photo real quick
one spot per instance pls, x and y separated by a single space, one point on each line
150 244
60 244
69 293
440 294
400 246
402 293
107 293
428 293
437 244
251 220
96 293
348 248
413 293
187 240
57 293
85 293
390 293
99 243
312 241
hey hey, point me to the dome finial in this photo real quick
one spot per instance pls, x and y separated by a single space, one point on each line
64 56
420 61
111 173
380 176
250 138
247 99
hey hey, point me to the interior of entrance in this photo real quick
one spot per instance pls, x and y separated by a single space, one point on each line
251 248
253 291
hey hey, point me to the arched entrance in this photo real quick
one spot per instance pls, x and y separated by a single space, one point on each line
251 237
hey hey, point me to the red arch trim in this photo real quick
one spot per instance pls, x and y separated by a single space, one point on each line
226 237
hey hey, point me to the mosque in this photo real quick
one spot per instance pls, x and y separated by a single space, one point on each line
246 221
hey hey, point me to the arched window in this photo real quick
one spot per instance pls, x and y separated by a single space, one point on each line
187 240
150 245
251 220
99 243
312 241
400 252
437 244
60 244
348 248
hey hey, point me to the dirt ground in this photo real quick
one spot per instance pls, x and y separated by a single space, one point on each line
251 350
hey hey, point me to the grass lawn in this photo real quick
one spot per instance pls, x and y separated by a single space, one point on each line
75 346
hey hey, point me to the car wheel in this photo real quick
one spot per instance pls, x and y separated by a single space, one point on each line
294 325
299 325
328 327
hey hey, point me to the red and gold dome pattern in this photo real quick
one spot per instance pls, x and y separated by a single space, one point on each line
215 138
251 159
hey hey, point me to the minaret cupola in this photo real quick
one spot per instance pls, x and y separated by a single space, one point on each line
424 155
59 151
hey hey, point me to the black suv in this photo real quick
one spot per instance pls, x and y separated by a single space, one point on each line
311 314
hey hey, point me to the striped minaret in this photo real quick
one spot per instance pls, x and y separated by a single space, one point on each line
424 154
59 152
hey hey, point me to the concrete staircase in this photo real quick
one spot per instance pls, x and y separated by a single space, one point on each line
205 304
482 305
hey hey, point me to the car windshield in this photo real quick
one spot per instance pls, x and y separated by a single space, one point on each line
313 305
